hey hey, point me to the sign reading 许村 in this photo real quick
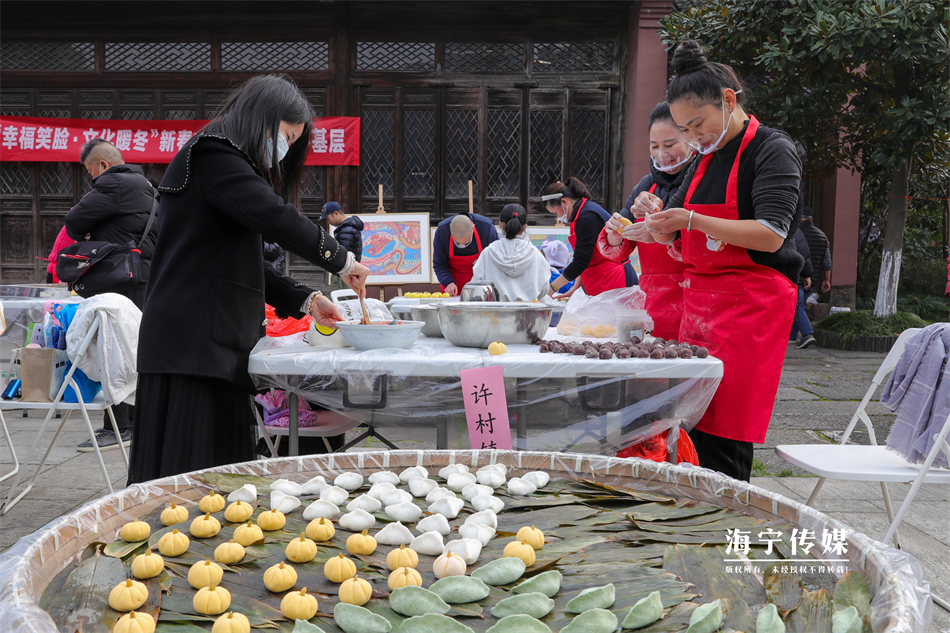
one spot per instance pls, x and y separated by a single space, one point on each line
335 140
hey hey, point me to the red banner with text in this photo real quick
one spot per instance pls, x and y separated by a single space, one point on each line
335 141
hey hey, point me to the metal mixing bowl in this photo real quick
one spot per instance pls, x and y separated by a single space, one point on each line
428 314
476 324
477 290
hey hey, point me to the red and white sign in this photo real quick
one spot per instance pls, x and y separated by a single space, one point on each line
486 407
335 141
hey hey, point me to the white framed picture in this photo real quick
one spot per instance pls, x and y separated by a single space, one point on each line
394 248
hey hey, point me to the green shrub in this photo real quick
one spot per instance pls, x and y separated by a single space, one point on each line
864 323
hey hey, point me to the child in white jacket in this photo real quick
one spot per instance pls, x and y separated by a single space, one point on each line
516 267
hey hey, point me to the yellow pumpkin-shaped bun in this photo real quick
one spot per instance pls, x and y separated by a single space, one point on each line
205 574
280 577
520 549
339 568
497 348
174 514
147 565
404 577
212 502
361 544
402 557
320 530
211 600
248 534
173 543
271 520
205 526
232 622
238 512
229 553
298 605
355 591
135 531
128 595
532 536
135 622
449 564
301 550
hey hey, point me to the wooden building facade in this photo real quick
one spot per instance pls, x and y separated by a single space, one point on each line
511 95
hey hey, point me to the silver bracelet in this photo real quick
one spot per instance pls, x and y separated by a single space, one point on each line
689 225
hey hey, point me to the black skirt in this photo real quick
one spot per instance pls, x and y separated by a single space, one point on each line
186 423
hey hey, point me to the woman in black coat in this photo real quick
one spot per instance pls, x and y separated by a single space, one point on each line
229 189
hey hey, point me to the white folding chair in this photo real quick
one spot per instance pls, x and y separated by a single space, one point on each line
874 462
3 423
97 404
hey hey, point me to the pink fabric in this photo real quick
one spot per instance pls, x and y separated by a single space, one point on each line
277 410
61 242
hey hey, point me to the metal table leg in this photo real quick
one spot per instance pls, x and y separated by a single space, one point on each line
294 446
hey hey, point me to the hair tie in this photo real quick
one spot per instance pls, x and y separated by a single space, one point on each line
515 214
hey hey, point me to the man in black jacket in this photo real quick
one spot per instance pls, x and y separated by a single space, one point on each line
115 210
348 234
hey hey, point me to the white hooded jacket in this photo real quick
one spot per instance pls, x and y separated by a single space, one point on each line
516 267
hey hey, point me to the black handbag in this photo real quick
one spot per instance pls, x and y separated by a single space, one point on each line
91 268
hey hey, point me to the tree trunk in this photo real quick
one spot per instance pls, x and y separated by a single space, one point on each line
886 302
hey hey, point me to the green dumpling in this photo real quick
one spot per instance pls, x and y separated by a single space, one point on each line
537 605
302 626
847 621
548 583
768 620
460 589
706 618
416 601
432 623
593 598
354 619
519 624
500 571
593 621
644 612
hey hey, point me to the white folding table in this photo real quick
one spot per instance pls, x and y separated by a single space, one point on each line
412 386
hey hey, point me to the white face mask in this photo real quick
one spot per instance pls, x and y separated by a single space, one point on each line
669 168
282 147
705 144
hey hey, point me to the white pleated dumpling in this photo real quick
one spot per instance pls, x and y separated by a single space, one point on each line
384 476
379 488
357 520
404 512
287 487
459 480
394 534
478 531
321 508
519 487
420 487
473 490
348 481
491 477
314 486
468 548
488 502
283 503
364 502
394 496
334 494
415 471
486 517
434 523
429 544
439 493
538 477
452 469
246 493
449 507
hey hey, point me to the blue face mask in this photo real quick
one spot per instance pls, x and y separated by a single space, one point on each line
282 147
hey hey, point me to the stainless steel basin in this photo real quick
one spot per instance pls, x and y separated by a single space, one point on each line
428 314
477 290
476 324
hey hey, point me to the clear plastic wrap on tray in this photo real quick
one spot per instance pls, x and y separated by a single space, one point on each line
556 402
901 596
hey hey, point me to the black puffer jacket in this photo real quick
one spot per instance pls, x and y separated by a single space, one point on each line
116 210
349 235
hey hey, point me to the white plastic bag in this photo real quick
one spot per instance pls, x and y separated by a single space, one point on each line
352 311
597 316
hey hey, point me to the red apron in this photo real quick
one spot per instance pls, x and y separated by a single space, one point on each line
460 266
601 274
661 279
741 311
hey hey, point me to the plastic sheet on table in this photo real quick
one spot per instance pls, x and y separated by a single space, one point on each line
555 402
901 595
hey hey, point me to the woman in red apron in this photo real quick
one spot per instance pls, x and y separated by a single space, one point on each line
736 223
570 201
661 274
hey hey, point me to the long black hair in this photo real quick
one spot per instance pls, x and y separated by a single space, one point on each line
661 113
697 78
514 217
570 188
252 113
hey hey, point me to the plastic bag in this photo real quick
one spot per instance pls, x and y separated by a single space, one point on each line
655 449
352 311
277 409
88 388
277 326
597 316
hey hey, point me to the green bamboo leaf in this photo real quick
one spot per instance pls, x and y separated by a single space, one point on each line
178 627
783 589
853 591
226 483
705 567
121 549
157 585
675 622
663 511
55 585
83 601
813 614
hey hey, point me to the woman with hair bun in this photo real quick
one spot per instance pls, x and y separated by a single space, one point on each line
735 217
570 202
516 267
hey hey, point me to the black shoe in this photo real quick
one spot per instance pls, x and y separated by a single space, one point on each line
808 341
106 440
